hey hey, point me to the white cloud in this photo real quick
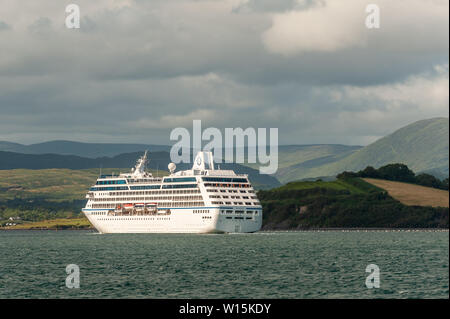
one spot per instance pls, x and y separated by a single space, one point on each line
337 25
326 28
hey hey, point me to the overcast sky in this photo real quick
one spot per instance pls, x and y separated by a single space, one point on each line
136 69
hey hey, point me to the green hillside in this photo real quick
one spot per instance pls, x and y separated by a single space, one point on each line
48 194
52 184
356 186
423 146
345 203
310 155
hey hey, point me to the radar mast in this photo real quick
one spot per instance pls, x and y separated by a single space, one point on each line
139 169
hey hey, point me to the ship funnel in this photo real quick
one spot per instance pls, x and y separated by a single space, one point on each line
202 159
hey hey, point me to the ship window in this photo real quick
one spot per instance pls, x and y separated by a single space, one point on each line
108 188
180 179
224 180
180 186
146 187
111 182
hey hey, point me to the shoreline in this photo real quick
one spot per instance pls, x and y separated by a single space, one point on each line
357 229
52 224
83 224
377 229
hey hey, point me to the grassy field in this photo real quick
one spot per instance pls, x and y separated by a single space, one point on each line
410 194
51 184
61 223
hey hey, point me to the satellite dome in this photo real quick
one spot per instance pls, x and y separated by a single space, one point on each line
171 167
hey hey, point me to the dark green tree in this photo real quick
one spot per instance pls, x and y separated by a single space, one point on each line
369 171
397 172
445 184
428 180
345 175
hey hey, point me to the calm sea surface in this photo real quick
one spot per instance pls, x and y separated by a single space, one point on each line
328 264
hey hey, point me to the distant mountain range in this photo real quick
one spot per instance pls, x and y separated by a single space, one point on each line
158 160
90 150
422 145
296 160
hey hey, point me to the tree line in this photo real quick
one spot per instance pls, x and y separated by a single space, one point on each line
400 173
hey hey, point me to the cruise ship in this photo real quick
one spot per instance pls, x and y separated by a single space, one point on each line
200 200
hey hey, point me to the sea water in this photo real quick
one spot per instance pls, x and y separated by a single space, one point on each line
309 264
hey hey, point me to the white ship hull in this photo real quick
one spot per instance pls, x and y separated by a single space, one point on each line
179 221
200 200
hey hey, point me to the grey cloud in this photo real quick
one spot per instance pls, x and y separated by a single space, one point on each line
275 6
155 48
4 26
161 61
40 24
87 24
